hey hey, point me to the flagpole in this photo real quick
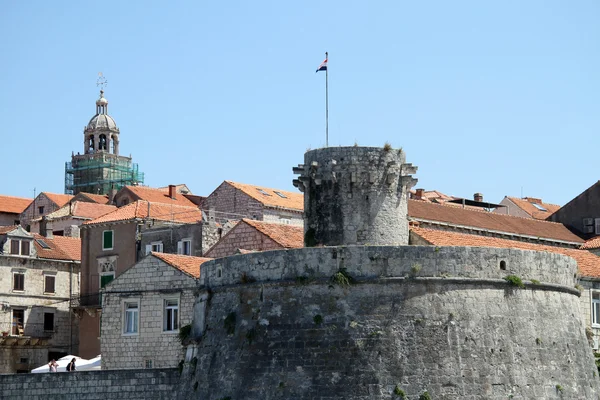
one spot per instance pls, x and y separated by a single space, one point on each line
327 101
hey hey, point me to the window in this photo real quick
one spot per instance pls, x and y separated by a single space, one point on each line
42 243
596 309
148 363
132 314
19 281
154 246
283 196
597 225
18 321
171 315
262 192
49 321
107 240
285 221
539 207
41 209
24 247
49 281
14 246
184 247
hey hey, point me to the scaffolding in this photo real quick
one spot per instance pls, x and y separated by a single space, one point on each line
100 173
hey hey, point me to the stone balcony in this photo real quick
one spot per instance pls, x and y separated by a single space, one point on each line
30 334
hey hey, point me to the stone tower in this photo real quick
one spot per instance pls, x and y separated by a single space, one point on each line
100 168
387 321
355 195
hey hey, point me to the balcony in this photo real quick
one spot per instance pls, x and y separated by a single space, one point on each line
28 335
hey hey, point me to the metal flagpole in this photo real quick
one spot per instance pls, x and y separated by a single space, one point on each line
327 100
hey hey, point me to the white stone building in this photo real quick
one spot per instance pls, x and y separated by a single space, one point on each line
38 278
143 310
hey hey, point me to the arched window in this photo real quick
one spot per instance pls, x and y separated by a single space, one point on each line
102 142
91 146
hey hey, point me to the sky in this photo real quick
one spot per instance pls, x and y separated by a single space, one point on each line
500 98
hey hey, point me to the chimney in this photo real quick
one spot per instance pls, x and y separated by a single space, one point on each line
533 200
478 197
111 196
173 192
46 227
419 194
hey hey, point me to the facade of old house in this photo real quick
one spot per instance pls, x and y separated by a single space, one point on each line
187 239
143 310
581 214
11 208
66 220
38 278
251 235
232 200
170 195
43 204
111 244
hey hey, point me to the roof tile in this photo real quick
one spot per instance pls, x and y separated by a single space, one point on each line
157 211
270 198
61 247
59 199
526 204
188 264
288 236
159 196
13 205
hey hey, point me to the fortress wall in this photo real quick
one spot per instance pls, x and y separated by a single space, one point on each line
454 328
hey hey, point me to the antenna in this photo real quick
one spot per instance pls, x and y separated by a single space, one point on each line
101 81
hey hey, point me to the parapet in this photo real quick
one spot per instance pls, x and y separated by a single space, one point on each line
355 195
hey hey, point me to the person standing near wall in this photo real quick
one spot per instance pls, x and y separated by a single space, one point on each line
53 366
71 366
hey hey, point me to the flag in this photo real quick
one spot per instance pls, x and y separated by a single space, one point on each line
322 67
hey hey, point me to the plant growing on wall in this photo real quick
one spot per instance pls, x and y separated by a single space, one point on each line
342 278
514 280
184 333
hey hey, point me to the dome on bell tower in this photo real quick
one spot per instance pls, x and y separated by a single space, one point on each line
101 134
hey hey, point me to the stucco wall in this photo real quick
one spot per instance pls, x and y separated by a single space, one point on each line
151 282
440 320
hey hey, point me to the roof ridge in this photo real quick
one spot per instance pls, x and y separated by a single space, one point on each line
543 202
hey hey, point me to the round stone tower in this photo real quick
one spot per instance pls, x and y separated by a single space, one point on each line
355 195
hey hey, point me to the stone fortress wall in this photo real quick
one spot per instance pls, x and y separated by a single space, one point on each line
358 321
281 325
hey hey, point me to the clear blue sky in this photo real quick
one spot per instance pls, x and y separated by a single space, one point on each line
491 97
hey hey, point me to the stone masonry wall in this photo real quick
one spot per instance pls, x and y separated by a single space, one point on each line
242 236
151 282
147 384
419 319
355 195
277 216
228 202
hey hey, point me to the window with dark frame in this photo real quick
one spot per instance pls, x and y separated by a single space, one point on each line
14 246
41 209
107 240
18 281
49 321
24 247
49 284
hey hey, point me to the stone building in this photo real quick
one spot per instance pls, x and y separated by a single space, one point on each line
250 235
100 169
582 213
186 239
368 317
11 208
173 194
38 278
232 200
527 207
66 220
111 244
143 310
43 204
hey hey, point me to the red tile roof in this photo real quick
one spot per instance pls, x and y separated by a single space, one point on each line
287 236
507 224
292 200
96 198
593 243
7 228
58 199
526 204
588 263
82 209
158 196
13 205
61 248
157 211
188 264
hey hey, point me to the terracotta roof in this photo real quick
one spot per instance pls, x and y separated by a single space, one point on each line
13 205
59 199
158 196
158 211
96 198
7 228
593 243
61 248
507 224
82 209
292 200
588 263
288 236
527 204
188 264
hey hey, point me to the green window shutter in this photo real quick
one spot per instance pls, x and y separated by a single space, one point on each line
105 280
107 240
